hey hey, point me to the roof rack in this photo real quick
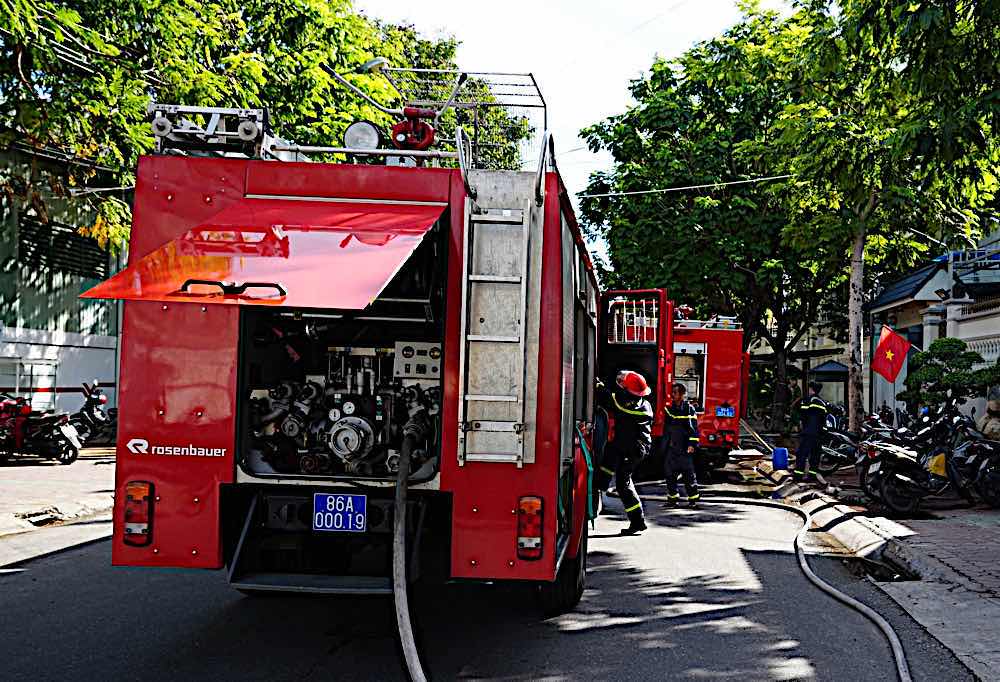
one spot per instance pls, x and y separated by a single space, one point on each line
720 322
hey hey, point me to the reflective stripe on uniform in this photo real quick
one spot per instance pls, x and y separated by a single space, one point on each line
638 413
673 497
694 438
799 471
679 416
633 507
607 471
692 498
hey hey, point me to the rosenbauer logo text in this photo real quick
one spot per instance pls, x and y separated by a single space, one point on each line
141 446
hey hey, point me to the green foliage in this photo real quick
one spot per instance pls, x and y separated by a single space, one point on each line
705 118
947 369
78 76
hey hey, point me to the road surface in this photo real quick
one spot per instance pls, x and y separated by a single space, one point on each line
707 594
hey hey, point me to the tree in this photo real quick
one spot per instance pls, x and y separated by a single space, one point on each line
77 77
947 369
699 120
872 153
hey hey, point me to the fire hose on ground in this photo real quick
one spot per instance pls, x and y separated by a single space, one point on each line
902 667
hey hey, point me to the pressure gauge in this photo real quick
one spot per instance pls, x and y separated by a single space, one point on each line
333 414
349 408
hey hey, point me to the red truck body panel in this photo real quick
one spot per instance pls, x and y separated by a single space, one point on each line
724 382
180 359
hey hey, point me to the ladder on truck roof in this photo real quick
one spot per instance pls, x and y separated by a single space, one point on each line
494 305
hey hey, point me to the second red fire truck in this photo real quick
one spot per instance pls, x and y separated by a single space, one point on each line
642 330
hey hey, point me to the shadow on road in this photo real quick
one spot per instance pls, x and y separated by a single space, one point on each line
752 616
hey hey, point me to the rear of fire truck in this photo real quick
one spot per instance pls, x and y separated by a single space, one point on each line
643 331
710 362
307 344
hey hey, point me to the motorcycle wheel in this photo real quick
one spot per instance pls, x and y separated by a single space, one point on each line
865 483
988 486
829 461
896 497
67 453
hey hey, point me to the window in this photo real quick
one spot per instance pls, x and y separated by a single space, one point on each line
689 370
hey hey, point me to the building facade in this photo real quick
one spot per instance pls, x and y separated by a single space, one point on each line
50 340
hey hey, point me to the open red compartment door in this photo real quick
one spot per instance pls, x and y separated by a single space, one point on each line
307 254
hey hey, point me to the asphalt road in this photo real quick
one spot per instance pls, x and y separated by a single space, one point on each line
707 594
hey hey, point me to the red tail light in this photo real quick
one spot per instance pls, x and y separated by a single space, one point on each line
872 452
138 513
529 528
25 409
103 399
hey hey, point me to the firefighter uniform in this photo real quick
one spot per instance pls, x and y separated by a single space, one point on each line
680 431
813 411
631 442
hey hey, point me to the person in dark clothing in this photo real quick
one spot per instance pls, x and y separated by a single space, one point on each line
631 442
813 413
680 440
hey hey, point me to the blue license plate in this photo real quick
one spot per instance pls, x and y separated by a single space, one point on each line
725 412
340 513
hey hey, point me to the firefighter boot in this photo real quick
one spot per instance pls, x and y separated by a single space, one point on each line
635 526
671 502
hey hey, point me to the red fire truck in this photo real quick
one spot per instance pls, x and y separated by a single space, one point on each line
642 330
310 348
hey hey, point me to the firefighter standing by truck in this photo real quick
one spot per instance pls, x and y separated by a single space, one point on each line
813 412
632 441
680 439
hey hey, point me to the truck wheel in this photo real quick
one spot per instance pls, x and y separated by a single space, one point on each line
563 594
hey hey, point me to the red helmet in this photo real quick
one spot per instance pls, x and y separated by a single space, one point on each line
634 383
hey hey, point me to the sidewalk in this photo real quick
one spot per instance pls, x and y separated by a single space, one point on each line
953 549
37 496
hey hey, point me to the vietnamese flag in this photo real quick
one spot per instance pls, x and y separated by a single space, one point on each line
890 355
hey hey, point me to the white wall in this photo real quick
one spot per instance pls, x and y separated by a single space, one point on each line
80 357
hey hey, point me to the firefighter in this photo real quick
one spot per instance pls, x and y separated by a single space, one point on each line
680 439
813 414
631 442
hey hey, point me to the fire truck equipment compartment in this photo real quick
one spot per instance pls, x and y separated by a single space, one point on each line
280 252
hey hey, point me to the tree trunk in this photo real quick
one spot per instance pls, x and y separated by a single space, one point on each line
855 376
779 407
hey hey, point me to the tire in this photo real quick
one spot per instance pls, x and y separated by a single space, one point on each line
988 486
563 594
67 453
829 461
865 482
896 497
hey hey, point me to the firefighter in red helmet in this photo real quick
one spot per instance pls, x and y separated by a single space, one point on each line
632 441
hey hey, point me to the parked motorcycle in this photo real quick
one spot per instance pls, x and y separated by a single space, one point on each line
24 431
882 444
907 476
93 423
977 458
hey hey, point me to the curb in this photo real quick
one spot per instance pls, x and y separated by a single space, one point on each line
875 538
38 519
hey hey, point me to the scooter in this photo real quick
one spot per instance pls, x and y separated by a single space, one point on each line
907 477
24 431
93 423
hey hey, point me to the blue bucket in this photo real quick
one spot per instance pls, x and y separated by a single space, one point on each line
779 459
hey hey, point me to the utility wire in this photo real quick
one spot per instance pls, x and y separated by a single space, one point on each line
687 187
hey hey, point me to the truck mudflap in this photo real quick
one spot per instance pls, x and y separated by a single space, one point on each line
280 252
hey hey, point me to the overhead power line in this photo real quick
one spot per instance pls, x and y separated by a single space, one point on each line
687 187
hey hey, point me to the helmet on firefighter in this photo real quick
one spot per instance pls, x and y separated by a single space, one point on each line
634 383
